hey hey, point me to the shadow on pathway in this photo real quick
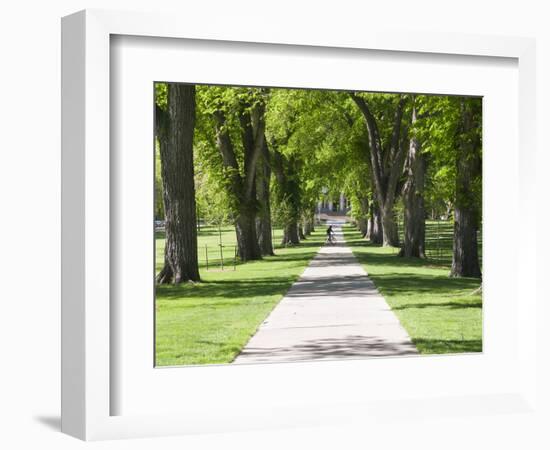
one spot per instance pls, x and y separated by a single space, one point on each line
333 311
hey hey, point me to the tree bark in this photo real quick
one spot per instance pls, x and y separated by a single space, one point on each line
374 233
290 234
413 201
245 227
362 225
466 214
386 165
175 131
308 225
370 223
263 220
308 218
362 220
301 233
390 236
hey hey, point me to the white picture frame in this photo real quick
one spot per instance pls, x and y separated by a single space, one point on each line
88 386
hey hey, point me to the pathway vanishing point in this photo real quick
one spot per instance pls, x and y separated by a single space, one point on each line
333 311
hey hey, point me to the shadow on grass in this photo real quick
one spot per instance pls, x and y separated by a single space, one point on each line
450 305
214 262
236 288
213 232
320 260
439 247
310 243
442 346
404 282
383 259
227 346
379 257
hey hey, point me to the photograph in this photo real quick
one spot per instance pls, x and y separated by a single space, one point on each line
295 225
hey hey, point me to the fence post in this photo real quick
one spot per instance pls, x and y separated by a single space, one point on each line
198 218
220 242
438 242
398 235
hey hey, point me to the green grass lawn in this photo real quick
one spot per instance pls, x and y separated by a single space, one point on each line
209 322
440 313
209 238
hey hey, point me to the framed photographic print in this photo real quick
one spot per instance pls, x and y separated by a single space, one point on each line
271 230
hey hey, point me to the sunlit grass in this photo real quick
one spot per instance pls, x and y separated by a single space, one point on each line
208 247
210 322
440 313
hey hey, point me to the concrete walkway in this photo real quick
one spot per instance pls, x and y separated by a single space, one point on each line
333 311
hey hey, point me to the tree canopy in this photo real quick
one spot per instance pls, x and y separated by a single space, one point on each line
265 156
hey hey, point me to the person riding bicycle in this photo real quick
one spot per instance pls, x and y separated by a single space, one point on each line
330 235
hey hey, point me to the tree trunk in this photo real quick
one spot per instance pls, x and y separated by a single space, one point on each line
386 164
413 201
468 167
290 234
288 195
370 225
307 225
175 129
377 234
247 241
389 227
263 233
362 223
301 233
465 255
263 220
374 233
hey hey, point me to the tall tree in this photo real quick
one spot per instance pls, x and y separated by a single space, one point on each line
450 132
242 184
263 193
175 125
468 169
288 198
386 163
414 222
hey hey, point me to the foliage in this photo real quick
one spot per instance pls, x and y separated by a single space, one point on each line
322 133
439 131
